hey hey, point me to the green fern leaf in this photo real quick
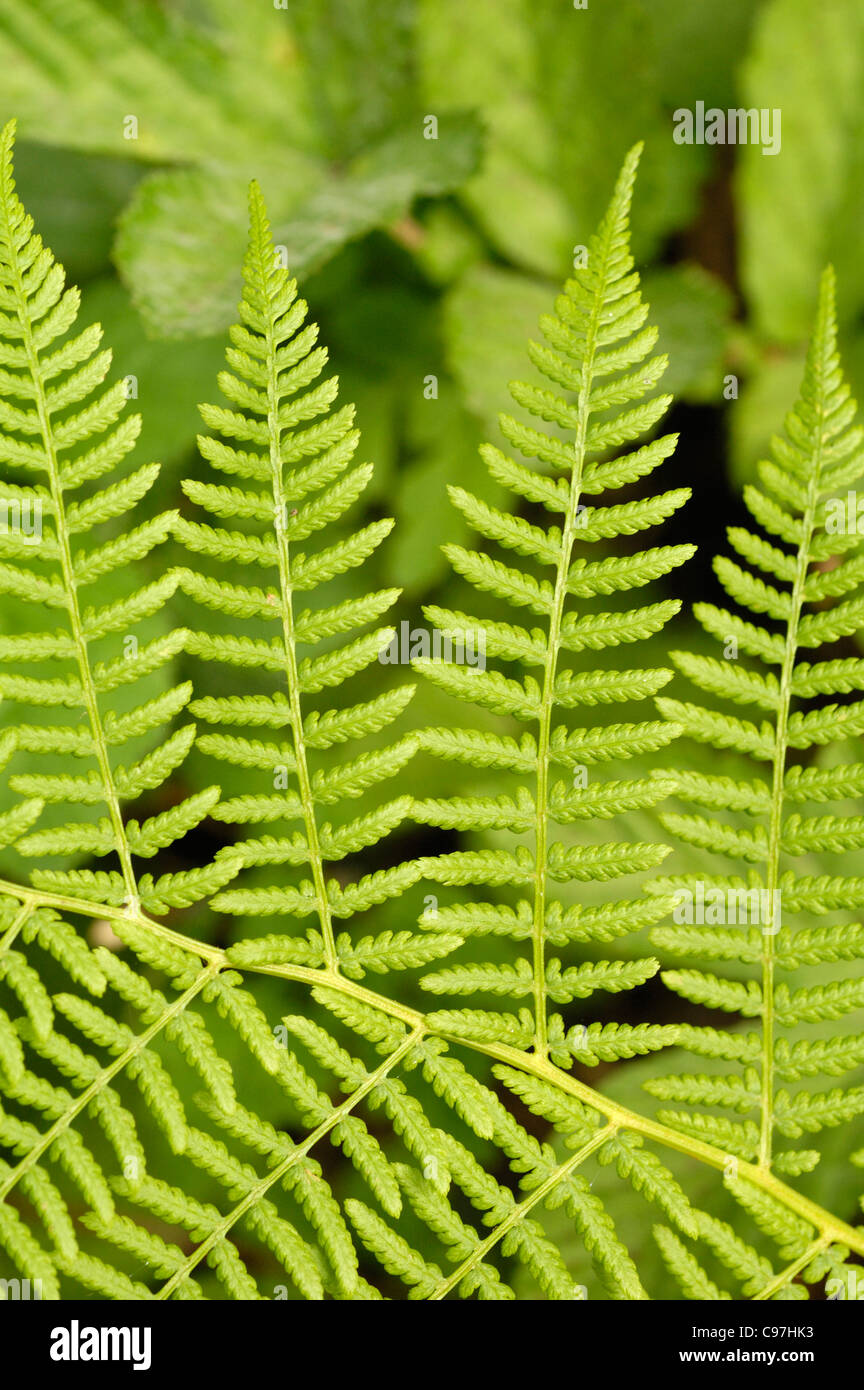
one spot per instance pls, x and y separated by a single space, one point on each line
596 334
74 446
129 1191
794 504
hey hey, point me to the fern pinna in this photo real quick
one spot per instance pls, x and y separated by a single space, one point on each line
599 352
307 485
162 1137
51 370
813 599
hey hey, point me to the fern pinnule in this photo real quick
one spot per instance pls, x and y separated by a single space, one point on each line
813 595
598 356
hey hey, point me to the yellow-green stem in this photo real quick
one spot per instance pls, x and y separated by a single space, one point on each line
259 1189
101 1081
825 1222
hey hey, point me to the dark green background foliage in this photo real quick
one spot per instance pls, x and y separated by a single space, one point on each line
427 258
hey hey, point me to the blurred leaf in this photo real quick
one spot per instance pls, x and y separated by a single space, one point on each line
179 85
445 440
483 55
181 241
599 81
447 245
698 48
488 317
803 207
765 398
428 164
358 67
259 63
550 83
74 70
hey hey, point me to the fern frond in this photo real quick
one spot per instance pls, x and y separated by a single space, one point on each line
72 433
794 504
298 481
599 361
102 1050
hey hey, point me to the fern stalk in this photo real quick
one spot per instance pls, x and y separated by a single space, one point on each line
793 1269
824 339
594 341
521 1210
817 457
36 897
13 931
71 433
273 357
